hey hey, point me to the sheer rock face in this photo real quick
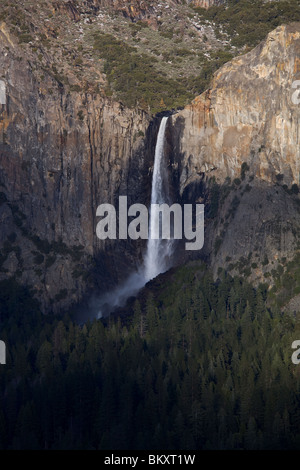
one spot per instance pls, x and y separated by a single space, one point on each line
251 114
61 155
64 153
207 3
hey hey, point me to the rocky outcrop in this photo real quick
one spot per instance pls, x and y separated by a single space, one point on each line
138 9
236 147
134 9
207 3
249 115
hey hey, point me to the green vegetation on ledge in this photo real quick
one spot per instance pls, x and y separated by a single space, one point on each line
137 82
134 78
156 67
247 22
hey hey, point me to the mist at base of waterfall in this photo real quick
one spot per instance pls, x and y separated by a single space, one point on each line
119 296
103 306
137 280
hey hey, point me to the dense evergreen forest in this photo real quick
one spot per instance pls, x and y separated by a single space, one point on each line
194 364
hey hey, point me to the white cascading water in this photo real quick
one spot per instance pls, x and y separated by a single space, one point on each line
158 253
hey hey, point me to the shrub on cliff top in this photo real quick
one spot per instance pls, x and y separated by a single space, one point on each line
134 78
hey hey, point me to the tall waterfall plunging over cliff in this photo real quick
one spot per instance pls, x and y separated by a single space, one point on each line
158 253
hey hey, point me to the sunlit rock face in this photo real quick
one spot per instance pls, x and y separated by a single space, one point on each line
248 120
207 3
251 114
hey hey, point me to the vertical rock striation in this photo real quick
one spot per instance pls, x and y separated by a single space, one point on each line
61 155
245 129
249 115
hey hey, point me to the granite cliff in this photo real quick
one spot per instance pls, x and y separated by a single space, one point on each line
243 135
67 145
250 114
62 154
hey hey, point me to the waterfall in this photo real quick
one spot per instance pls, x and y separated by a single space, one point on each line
159 251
